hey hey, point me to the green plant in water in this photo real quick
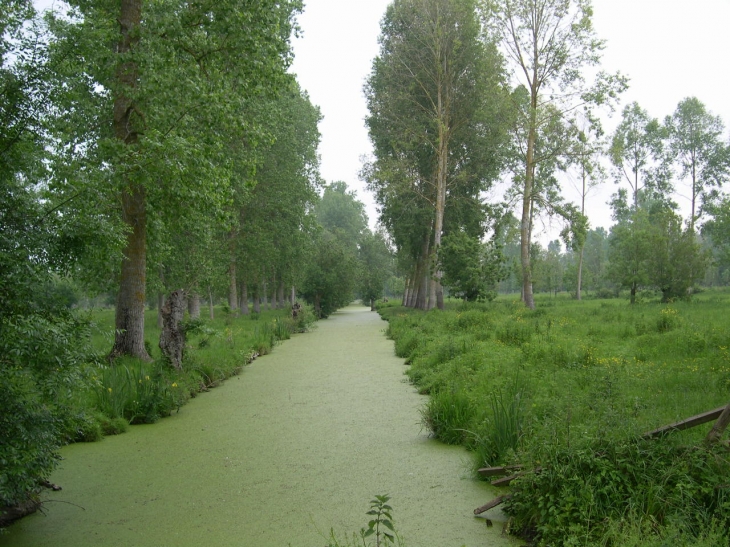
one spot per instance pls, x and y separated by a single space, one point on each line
381 522
380 526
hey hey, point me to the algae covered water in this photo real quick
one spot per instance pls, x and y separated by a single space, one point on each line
296 445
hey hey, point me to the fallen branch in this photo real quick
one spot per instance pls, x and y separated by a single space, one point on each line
491 504
494 471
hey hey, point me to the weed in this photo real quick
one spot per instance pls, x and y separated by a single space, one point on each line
380 527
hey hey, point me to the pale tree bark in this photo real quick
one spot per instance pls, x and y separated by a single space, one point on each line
210 303
160 303
293 295
526 221
280 301
404 299
172 337
257 301
129 320
264 299
244 299
194 305
720 426
232 291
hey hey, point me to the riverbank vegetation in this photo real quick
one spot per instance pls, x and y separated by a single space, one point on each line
570 387
155 156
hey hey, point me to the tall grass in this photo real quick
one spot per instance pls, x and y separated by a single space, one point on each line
569 378
139 392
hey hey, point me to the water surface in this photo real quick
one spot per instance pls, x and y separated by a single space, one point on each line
296 445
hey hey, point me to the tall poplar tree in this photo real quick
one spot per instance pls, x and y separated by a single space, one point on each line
695 140
429 98
549 43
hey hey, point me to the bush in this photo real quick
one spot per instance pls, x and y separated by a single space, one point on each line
583 495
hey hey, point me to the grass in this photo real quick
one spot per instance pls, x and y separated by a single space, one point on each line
130 391
523 386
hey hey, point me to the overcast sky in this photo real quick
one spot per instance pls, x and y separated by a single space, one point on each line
670 49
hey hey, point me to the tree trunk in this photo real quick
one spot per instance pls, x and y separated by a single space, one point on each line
129 320
293 295
194 305
526 221
257 301
172 337
244 299
372 305
10 514
318 305
232 292
210 303
280 300
720 426
580 272
406 288
263 294
160 303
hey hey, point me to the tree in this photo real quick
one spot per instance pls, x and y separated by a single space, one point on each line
472 269
42 345
695 144
651 249
636 153
431 97
549 42
163 88
376 266
331 273
586 157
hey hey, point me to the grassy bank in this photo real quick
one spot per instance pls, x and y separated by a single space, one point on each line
570 386
109 397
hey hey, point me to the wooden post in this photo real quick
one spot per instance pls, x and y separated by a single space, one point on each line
719 428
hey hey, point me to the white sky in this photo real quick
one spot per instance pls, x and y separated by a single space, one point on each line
671 49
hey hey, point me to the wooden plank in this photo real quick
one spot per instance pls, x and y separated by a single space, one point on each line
494 471
686 424
505 481
491 504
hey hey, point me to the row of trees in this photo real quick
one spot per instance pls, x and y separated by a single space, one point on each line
464 93
147 147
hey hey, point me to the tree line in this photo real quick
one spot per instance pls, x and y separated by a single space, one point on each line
147 147
465 94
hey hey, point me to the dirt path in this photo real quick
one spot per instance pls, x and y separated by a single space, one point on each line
297 444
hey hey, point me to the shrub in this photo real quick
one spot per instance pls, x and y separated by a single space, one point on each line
449 415
649 483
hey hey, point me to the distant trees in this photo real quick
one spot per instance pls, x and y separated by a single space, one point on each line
695 144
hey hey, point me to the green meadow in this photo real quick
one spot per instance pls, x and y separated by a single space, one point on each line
570 388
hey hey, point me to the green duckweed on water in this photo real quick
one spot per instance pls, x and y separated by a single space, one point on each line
296 445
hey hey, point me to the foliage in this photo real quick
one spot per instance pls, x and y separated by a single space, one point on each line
652 250
381 526
471 269
376 263
695 143
549 44
331 273
579 494
569 386
438 126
